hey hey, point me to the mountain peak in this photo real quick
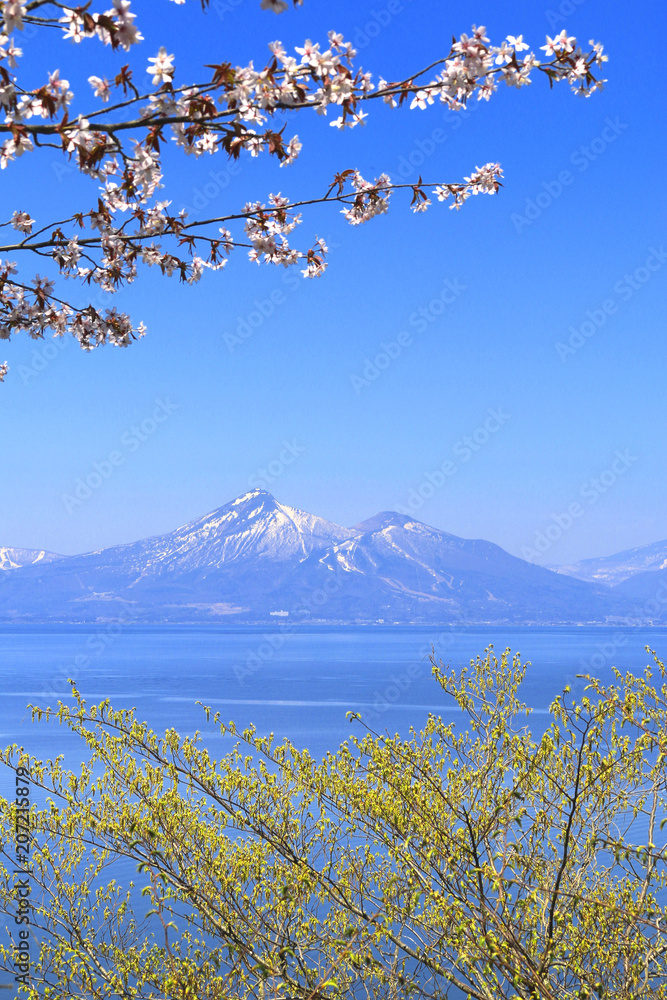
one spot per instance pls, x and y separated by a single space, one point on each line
392 519
251 504
252 495
253 526
614 569
385 519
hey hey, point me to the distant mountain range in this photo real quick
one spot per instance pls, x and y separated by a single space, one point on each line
637 575
257 560
617 568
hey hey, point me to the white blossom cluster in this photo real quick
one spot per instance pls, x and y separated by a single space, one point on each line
119 141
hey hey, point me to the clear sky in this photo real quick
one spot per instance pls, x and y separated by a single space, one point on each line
498 291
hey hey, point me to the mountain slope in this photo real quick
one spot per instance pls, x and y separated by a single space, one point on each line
648 591
255 558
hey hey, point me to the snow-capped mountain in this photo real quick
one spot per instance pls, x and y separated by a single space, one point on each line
227 562
620 566
252 527
255 559
15 558
406 569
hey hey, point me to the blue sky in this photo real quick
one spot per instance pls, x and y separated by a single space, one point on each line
570 253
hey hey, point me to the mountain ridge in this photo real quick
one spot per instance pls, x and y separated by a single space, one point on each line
255 558
620 566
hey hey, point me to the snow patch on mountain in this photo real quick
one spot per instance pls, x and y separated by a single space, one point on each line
11 558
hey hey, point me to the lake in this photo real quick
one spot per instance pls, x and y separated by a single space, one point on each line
297 683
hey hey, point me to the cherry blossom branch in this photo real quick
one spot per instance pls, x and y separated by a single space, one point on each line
105 244
460 191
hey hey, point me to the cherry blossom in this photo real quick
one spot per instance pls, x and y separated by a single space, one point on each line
102 88
13 13
22 222
163 70
421 99
561 43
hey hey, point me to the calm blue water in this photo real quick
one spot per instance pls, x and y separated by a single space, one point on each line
298 684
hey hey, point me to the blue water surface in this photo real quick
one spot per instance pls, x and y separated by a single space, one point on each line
298 683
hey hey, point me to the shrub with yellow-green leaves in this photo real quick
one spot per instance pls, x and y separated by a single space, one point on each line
470 856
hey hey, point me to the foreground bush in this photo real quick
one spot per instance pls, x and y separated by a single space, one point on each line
472 855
